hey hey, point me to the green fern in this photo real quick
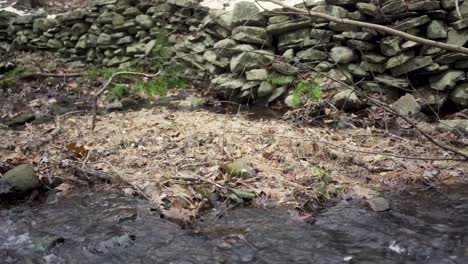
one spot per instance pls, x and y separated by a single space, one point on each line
307 87
281 80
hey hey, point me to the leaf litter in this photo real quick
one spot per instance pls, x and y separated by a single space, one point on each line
176 158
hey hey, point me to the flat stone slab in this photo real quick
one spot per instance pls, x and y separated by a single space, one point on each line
412 65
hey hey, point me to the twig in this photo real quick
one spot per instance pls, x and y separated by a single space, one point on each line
377 27
457 8
47 75
107 84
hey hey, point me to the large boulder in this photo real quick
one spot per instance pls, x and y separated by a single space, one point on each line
347 100
406 105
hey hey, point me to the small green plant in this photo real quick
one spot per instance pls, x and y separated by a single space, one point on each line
311 88
281 80
118 91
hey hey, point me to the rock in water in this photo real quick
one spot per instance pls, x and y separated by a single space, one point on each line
22 178
378 204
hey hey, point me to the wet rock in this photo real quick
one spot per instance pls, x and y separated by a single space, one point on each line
378 204
20 120
342 55
406 105
446 80
22 178
240 168
459 95
347 100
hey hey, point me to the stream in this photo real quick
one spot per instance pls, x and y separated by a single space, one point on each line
105 226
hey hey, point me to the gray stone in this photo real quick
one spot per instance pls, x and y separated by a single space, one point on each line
460 24
340 75
342 27
288 54
409 45
287 26
399 59
131 12
224 47
356 15
144 21
406 105
41 25
292 102
342 55
358 35
137 48
373 67
54 44
412 65
454 125
461 64
312 55
374 58
430 99
265 89
276 94
277 19
388 81
424 5
347 100
361 46
323 35
390 46
368 9
256 75
228 82
451 58
125 40
191 103
436 30
294 37
393 7
104 39
356 70
247 14
285 68
251 60
331 10
324 66
254 35
446 80
22 178
378 204
457 38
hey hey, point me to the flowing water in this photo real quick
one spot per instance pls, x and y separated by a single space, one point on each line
87 226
